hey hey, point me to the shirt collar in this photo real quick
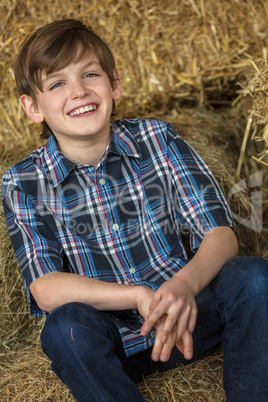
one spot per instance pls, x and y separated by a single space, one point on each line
58 166
122 142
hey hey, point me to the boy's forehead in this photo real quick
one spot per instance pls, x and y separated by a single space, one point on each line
83 62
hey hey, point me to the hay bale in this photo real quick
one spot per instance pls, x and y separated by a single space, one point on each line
199 381
171 55
255 90
26 376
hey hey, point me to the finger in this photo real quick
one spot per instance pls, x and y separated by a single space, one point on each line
167 347
153 318
185 345
160 351
187 320
155 301
169 324
157 349
158 346
192 319
183 323
188 345
147 326
179 345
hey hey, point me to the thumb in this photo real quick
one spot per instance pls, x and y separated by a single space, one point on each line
155 301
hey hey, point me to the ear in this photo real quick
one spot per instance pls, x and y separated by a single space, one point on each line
117 89
31 109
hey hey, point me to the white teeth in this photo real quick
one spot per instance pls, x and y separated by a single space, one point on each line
85 109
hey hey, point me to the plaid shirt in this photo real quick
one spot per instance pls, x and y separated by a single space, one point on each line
119 222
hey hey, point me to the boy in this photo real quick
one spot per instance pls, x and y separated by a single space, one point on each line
94 217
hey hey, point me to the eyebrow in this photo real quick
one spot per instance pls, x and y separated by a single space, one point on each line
56 74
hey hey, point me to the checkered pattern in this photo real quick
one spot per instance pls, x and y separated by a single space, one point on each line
119 222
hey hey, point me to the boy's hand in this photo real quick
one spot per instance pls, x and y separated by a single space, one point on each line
175 301
162 351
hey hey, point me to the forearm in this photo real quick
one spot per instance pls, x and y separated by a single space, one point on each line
175 299
218 246
56 288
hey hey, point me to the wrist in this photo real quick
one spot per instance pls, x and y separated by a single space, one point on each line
137 295
189 279
144 297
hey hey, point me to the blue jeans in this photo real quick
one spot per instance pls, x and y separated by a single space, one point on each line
87 353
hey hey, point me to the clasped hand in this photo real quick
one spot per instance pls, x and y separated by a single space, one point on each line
172 312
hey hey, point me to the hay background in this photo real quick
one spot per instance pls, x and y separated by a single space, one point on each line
180 61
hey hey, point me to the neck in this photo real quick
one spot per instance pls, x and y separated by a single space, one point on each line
84 152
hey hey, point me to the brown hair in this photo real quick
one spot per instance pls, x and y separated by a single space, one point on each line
51 48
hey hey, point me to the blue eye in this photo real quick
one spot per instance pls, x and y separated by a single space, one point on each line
90 75
57 85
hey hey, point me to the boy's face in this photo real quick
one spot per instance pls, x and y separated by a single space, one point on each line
77 101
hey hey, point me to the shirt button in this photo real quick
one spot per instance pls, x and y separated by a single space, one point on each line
102 181
153 333
115 226
132 270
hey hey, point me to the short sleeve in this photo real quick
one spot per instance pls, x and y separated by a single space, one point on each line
199 201
36 248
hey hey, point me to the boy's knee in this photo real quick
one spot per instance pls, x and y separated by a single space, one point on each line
64 322
249 274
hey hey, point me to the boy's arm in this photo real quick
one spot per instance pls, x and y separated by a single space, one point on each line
41 263
57 288
175 299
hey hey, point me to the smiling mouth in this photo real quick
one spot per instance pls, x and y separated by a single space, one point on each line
83 110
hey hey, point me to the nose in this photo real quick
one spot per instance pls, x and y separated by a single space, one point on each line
78 89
